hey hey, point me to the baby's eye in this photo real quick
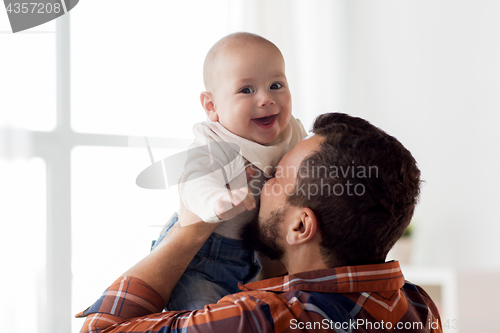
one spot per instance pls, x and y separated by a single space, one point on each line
247 90
276 85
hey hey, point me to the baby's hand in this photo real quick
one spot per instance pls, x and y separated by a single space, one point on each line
250 172
236 201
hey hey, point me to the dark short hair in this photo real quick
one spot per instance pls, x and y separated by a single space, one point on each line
361 227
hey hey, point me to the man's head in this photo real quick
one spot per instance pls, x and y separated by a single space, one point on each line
246 87
345 195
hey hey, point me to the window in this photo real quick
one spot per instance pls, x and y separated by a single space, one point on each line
125 74
23 244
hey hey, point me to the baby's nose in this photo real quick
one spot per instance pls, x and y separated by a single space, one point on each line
266 99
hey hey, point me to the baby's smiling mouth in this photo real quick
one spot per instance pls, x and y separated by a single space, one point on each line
265 122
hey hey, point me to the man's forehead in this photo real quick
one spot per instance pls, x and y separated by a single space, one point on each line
290 163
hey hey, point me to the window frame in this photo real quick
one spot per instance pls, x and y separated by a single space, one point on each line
55 147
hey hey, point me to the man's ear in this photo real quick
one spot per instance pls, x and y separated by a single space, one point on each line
208 104
304 228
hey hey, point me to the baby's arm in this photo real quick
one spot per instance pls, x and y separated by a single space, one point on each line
238 199
185 238
214 184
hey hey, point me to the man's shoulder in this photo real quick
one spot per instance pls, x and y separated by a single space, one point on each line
305 307
418 295
333 305
415 291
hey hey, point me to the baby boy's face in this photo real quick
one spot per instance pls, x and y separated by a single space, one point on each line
251 93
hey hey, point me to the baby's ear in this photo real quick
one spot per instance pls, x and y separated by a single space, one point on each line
208 104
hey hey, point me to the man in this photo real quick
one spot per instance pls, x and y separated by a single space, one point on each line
339 201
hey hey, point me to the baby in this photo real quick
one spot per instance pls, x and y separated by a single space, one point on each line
249 124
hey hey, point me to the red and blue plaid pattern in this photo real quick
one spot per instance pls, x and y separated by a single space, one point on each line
349 298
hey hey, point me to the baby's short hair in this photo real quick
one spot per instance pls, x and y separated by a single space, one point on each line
234 38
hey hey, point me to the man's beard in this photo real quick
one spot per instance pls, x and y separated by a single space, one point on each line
261 236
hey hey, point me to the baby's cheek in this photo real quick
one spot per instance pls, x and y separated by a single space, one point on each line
285 121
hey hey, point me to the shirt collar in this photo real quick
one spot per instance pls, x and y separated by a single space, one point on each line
345 279
265 157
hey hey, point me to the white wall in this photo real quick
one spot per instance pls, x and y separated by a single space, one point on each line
425 71
428 72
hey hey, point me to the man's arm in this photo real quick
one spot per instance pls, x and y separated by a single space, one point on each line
164 266
133 303
130 305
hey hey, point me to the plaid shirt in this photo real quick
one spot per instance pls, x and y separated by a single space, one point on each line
343 299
